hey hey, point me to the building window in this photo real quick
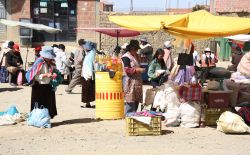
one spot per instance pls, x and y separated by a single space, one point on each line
55 13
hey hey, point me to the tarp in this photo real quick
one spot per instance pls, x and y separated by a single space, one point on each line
196 25
39 27
114 32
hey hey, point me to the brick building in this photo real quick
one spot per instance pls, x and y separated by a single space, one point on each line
230 6
63 14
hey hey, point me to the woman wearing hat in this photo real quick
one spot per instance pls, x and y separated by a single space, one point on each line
208 61
132 77
168 58
88 80
40 76
157 70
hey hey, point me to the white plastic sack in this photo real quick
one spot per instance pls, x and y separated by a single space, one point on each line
159 100
39 117
172 117
190 114
167 98
231 123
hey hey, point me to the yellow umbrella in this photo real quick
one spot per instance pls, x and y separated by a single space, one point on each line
195 25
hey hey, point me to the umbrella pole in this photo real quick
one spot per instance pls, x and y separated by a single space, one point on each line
117 34
100 41
27 54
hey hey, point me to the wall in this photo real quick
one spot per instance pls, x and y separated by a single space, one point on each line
16 9
230 6
87 16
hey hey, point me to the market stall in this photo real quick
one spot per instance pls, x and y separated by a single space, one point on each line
187 27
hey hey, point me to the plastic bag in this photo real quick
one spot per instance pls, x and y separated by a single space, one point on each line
231 123
190 114
172 117
39 117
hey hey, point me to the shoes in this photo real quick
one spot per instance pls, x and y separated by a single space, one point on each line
88 105
68 91
25 84
13 84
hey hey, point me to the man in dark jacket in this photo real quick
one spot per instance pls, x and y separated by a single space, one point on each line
13 61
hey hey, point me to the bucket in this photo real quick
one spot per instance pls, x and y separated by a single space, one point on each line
109 97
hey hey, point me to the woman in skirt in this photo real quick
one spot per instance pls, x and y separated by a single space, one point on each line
40 76
88 81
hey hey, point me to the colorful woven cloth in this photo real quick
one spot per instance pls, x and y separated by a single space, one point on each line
34 70
191 92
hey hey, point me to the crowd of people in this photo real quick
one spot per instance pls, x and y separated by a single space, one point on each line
51 64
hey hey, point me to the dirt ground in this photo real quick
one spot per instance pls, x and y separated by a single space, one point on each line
75 131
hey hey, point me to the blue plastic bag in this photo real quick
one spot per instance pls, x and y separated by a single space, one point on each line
39 117
11 111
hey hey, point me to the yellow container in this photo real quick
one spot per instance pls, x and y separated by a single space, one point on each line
136 128
109 97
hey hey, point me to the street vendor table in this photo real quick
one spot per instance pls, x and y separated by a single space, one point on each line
109 97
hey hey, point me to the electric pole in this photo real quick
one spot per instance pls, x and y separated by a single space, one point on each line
131 5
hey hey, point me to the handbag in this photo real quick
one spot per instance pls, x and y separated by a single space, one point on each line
39 117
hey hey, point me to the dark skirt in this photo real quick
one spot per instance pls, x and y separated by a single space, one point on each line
3 74
43 95
88 90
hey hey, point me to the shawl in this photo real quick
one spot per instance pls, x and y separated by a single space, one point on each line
34 70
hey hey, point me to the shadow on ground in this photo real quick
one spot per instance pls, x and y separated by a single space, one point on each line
166 132
75 121
10 89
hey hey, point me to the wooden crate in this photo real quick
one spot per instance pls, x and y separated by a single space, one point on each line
213 114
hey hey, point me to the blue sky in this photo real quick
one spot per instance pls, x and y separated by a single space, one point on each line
153 5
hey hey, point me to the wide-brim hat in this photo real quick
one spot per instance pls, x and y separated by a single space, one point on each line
134 44
88 45
144 39
167 44
47 52
207 50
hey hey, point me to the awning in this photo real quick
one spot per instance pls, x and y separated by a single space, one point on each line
39 27
195 25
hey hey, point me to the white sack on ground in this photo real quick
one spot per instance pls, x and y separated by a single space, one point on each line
190 114
231 123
